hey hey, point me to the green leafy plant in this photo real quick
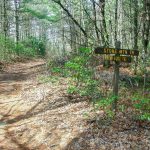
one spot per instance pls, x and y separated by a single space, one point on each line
72 89
142 107
52 79
122 108
105 104
81 73
7 47
28 48
37 45
56 70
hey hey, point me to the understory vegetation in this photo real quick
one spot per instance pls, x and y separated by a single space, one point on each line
96 86
29 48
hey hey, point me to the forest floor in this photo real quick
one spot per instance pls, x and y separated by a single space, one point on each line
37 115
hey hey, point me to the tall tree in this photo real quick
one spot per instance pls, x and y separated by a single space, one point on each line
5 22
146 24
135 17
116 20
16 3
95 21
105 36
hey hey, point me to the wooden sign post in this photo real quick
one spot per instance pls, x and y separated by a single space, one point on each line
116 78
117 55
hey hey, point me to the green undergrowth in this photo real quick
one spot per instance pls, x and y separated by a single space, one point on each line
47 79
28 48
141 105
80 72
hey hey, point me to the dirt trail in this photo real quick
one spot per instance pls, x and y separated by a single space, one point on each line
36 115
13 80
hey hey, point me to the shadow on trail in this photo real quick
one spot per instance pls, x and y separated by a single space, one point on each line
21 74
27 115
13 140
21 146
9 112
41 107
9 85
5 77
104 138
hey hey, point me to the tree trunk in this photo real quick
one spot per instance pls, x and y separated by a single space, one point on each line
135 2
116 20
17 20
95 21
105 36
146 35
5 24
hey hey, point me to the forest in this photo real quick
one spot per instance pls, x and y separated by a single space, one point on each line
74 74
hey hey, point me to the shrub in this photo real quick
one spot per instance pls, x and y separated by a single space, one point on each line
142 107
28 48
105 104
81 73
37 45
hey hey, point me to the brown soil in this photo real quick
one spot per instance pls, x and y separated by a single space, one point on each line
36 115
41 116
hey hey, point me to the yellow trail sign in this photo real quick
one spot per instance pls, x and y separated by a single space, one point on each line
118 58
100 50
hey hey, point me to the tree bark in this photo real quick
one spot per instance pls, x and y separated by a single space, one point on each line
17 19
135 2
95 21
5 24
116 20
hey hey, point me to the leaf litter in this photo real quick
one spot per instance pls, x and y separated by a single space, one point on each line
42 116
